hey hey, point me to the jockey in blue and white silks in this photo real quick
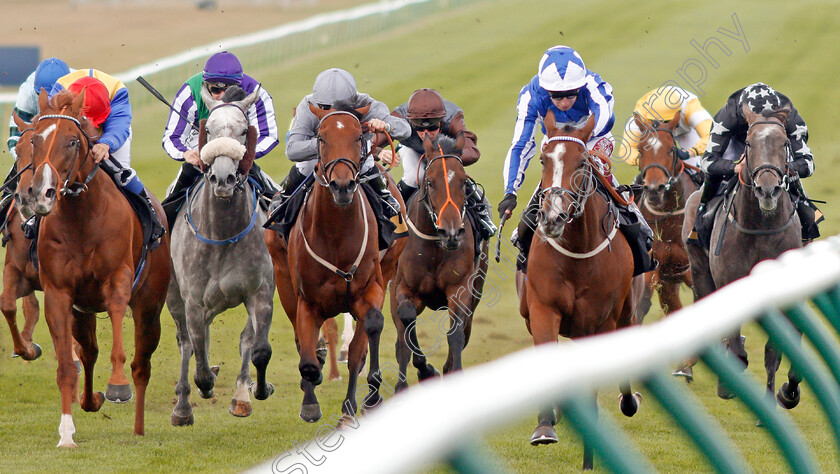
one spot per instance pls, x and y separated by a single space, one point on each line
561 69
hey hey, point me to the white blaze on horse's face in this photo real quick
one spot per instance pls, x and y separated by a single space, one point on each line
554 200
450 176
42 193
654 144
47 131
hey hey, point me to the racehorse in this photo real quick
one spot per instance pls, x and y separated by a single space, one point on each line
219 261
580 268
667 186
20 277
332 262
756 221
437 269
92 258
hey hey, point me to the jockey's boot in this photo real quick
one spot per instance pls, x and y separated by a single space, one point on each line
177 192
523 235
477 203
709 190
406 191
809 215
157 229
8 195
290 183
640 237
390 205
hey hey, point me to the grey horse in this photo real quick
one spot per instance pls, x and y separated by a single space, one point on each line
221 261
756 221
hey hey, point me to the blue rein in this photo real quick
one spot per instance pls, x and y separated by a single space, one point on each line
230 240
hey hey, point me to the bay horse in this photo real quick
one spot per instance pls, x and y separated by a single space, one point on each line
437 268
757 221
92 258
20 277
667 186
332 262
580 279
219 260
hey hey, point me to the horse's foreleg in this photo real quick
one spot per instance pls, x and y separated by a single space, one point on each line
146 339
651 281
355 361
22 342
57 312
628 401
261 353
788 394
182 414
119 390
84 332
545 328
198 325
346 337
734 343
459 314
330 330
306 333
31 309
373 322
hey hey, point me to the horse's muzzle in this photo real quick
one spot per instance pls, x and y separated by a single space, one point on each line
343 192
450 239
768 197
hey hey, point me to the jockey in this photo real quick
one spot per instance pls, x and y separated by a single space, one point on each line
428 113
180 138
573 93
331 86
661 105
26 107
107 107
727 146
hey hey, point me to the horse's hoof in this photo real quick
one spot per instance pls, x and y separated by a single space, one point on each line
401 385
342 356
630 405
240 408
262 395
310 412
37 350
346 421
206 395
67 444
370 405
724 392
118 393
686 372
182 420
786 400
427 372
544 434
98 401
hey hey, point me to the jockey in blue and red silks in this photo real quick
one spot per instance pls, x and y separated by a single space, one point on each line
180 138
573 93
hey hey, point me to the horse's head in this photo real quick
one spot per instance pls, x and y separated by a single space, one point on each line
567 178
658 161
59 155
341 148
766 156
444 188
226 164
23 151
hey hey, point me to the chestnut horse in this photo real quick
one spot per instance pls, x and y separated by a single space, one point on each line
91 253
666 189
757 221
332 261
437 268
20 277
580 268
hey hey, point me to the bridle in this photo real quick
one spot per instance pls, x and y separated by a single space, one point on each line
673 174
67 188
425 199
322 175
576 199
766 167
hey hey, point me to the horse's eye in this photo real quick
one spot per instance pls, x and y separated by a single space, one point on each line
429 184
73 142
244 132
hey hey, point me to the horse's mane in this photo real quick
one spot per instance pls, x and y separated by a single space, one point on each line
347 106
447 145
61 100
779 115
234 94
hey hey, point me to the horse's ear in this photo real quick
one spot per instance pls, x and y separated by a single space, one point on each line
43 100
250 151
749 115
208 99
364 110
78 103
202 134
428 144
19 122
550 123
247 102
782 114
585 132
460 141
672 124
317 111
640 122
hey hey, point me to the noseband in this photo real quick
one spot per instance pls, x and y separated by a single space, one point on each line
767 167
425 199
68 188
673 174
323 178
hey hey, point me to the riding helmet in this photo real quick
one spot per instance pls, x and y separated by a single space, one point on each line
223 67
97 106
425 104
49 71
333 85
561 69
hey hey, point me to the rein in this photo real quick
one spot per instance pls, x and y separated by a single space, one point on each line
231 240
436 217
672 175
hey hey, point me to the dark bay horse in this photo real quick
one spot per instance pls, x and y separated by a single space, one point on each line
757 221
437 268
91 251
667 186
20 277
332 262
580 268
220 259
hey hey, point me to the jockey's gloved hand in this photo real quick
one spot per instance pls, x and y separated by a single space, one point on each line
681 153
801 167
507 205
722 167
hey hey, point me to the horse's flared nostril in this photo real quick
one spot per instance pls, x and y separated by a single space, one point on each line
334 187
230 180
50 193
461 232
213 179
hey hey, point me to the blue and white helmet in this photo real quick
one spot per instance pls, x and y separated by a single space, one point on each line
561 69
